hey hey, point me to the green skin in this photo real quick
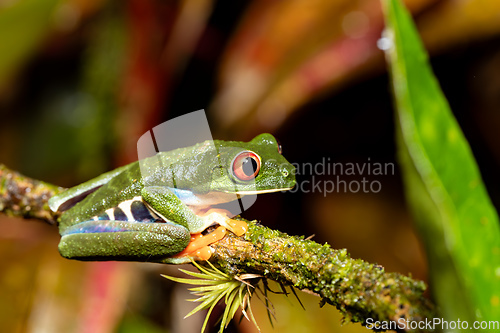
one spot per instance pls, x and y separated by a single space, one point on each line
203 170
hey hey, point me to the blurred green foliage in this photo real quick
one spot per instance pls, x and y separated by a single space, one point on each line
456 219
23 27
138 324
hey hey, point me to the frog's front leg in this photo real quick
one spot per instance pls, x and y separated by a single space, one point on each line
169 207
221 217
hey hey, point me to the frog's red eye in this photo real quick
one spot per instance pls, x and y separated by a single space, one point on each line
246 165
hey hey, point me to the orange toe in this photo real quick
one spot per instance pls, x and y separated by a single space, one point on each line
198 246
238 227
204 253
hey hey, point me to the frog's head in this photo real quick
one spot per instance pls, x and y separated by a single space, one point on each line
253 167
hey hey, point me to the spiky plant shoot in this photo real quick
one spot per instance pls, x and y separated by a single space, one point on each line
213 286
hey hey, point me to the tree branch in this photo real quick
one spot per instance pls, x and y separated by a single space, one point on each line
22 196
360 290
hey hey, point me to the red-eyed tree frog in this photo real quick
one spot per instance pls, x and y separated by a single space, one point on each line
123 215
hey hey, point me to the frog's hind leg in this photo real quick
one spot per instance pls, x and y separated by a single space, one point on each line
122 240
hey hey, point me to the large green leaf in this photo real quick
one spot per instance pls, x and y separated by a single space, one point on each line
454 215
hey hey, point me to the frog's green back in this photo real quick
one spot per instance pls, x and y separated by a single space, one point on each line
72 196
95 196
201 169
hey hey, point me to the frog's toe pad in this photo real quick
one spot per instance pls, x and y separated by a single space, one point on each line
198 246
202 254
239 228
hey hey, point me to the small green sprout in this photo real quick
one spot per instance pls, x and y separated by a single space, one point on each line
215 286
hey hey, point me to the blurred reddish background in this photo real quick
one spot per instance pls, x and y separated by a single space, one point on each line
80 81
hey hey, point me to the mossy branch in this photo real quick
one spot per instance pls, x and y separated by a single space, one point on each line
360 290
25 197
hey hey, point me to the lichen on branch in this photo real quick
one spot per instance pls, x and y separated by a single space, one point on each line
360 290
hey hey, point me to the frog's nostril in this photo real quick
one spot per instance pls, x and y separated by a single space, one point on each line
285 173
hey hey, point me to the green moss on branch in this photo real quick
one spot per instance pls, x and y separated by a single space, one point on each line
22 196
360 290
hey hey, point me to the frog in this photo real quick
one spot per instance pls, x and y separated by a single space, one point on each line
169 208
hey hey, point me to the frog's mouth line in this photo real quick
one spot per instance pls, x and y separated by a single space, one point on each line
261 191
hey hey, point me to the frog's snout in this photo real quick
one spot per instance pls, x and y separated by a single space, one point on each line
288 175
